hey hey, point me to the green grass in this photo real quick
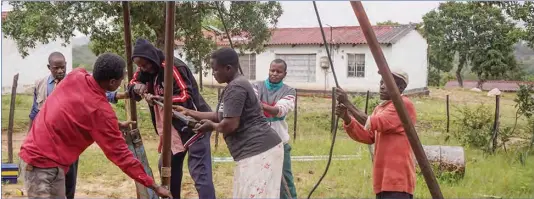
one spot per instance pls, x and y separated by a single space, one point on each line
499 175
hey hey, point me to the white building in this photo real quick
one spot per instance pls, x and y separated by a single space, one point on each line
30 68
355 68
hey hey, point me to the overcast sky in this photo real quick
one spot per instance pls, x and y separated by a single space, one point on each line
339 13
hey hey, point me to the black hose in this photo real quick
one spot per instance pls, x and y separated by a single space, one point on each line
219 10
333 98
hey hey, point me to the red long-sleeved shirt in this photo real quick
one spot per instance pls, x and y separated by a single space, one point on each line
393 164
76 115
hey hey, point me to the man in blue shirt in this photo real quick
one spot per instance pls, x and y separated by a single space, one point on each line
43 88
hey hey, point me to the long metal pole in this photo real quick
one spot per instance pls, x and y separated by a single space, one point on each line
129 65
393 91
167 102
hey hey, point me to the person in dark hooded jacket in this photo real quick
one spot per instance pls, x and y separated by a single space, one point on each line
148 79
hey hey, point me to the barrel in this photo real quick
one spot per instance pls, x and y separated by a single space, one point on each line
10 173
445 158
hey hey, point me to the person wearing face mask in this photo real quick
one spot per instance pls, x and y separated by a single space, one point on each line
59 135
277 100
148 82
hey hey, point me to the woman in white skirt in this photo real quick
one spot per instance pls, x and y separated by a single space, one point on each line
254 145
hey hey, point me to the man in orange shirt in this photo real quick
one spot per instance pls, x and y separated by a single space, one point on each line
393 166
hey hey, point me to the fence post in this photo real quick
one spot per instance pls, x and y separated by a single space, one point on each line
333 119
216 111
295 116
369 146
448 114
496 123
366 102
11 118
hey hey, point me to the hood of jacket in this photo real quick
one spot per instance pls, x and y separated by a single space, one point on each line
144 49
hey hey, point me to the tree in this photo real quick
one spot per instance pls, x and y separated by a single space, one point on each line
446 29
521 11
492 52
31 23
475 34
387 23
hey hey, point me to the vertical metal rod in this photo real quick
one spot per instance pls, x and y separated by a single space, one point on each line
11 118
129 64
295 116
394 93
167 102
448 113
367 102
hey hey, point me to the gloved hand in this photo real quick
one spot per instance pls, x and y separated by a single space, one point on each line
139 88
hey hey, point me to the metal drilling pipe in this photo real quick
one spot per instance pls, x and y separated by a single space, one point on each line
394 93
128 51
167 112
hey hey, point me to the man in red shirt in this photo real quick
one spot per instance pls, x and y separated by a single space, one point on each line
74 116
393 164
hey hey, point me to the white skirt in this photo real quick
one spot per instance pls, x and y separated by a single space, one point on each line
259 176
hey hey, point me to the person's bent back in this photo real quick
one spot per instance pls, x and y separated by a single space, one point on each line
76 115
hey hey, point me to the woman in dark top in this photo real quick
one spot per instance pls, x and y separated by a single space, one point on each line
256 148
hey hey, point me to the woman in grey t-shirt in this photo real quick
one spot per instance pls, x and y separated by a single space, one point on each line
256 147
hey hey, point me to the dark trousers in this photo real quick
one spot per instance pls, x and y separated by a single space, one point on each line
199 164
288 176
393 195
70 180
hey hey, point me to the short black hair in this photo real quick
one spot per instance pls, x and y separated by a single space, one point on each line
280 61
226 56
108 66
55 54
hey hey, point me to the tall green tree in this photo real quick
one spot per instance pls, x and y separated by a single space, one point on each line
31 23
446 30
475 34
492 53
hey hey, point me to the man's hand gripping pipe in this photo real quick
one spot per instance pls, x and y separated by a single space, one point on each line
190 122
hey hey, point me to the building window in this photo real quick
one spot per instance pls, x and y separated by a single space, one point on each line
356 65
248 65
300 67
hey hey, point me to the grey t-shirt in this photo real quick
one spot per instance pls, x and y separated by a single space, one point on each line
254 135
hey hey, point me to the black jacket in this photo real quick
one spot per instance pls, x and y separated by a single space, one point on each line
185 88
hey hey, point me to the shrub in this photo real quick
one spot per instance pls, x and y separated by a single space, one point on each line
473 126
359 102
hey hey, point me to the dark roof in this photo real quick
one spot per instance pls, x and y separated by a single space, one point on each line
386 34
